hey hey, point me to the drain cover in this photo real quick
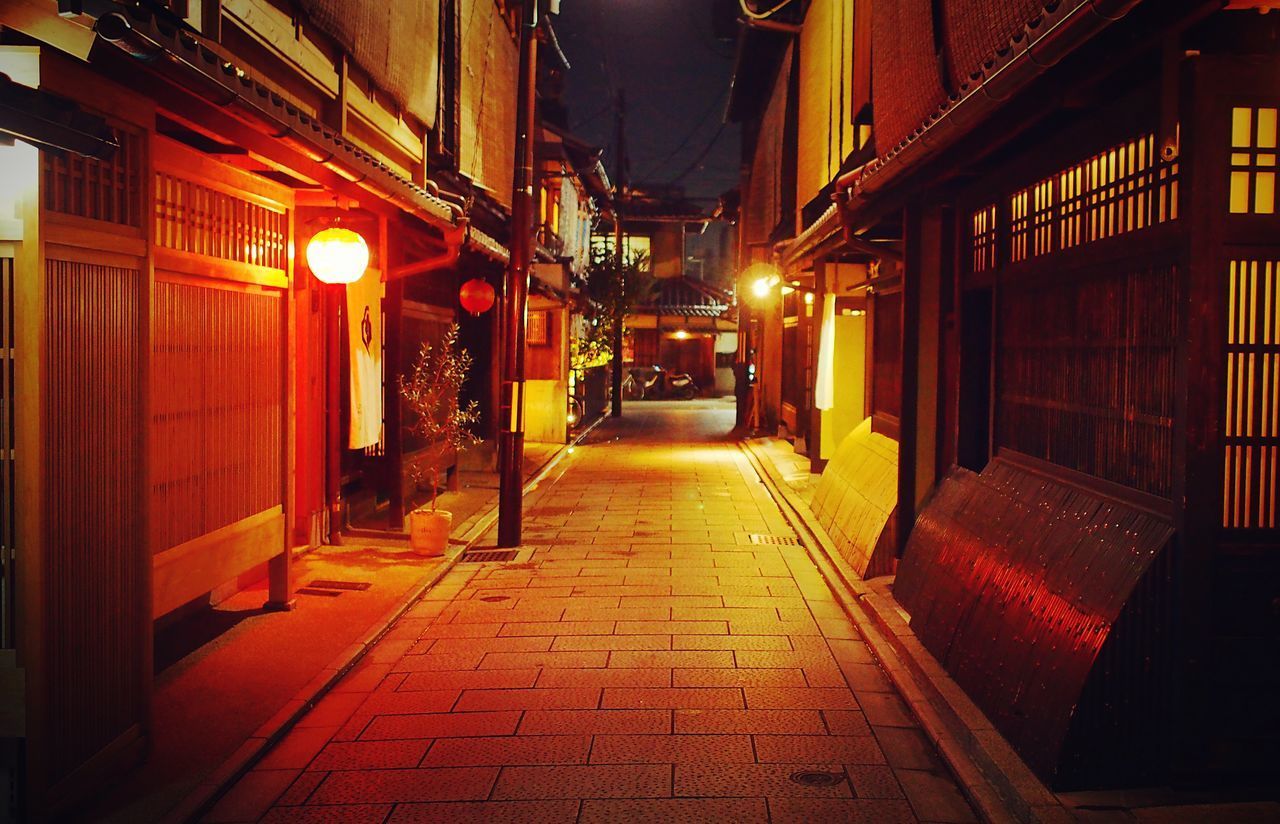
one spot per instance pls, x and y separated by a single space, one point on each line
496 556
493 599
774 540
817 778
353 586
328 593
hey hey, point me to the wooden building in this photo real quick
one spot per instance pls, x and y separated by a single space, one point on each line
1066 217
176 380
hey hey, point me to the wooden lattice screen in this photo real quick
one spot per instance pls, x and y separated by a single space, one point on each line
1251 427
198 219
1117 191
217 407
106 190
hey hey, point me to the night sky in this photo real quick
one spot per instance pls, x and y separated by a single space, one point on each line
676 76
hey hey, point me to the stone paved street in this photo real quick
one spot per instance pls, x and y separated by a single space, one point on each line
647 657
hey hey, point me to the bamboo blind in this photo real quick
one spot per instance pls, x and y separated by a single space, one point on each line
764 197
397 43
826 95
1086 373
490 67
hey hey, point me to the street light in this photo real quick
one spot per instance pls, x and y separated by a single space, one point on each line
338 255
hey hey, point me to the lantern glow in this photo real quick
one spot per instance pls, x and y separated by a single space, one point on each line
338 255
476 296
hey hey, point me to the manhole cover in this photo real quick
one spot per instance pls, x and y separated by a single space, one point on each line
353 586
498 556
817 778
774 540
493 599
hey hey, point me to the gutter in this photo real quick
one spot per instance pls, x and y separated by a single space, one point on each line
225 84
1042 45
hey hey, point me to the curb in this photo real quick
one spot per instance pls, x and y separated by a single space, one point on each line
217 783
994 778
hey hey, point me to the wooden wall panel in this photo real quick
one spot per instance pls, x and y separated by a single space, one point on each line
95 566
218 390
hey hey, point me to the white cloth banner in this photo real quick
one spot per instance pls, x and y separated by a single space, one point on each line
364 337
824 389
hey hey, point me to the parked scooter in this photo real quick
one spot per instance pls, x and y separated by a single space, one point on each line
678 385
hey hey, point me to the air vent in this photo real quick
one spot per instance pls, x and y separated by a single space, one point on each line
774 540
493 556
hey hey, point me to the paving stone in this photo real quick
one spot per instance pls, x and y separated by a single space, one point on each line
934 797
671 749
827 749
770 780
839 810
509 750
871 781
907 748
301 788
487 812
470 679
578 782
395 786
370 755
561 660
521 643
540 698
782 722
886 710
557 628
671 698
440 725
335 814
672 628
731 642
846 722
612 642
605 678
738 678
595 722
686 659
667 810
799 698
252 796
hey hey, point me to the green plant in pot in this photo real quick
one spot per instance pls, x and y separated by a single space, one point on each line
432 389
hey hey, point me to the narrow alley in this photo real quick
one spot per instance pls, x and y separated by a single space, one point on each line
661 649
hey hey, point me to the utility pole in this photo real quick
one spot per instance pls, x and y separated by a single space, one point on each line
618 261
516 294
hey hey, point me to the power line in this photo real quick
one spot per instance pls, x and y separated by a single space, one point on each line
701 155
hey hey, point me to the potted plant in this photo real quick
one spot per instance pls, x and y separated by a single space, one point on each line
432 389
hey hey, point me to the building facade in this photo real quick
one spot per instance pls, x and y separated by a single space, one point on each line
1058 235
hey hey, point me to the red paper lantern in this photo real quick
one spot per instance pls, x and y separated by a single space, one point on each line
476 296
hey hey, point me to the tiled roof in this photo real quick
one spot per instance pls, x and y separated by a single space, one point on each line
690 297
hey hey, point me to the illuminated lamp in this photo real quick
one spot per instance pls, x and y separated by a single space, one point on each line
808 298
681 334
476 296
338 255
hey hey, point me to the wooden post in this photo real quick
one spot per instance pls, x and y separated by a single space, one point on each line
820 274
280 568
393 368
333 296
